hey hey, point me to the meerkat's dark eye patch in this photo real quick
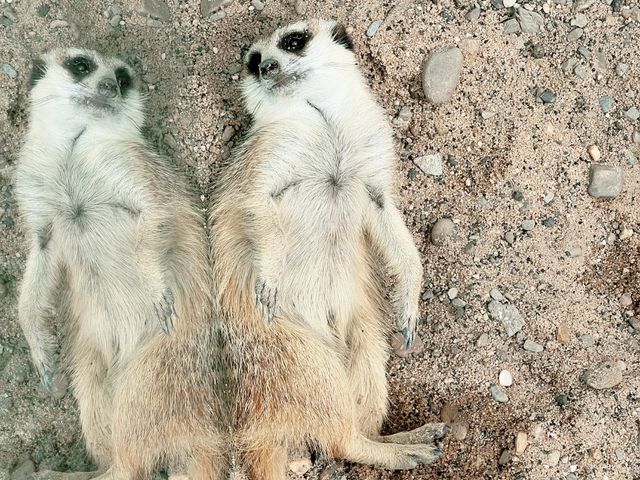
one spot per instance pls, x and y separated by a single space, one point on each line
341 37
79 66
38 71
294 41
123 77
253 65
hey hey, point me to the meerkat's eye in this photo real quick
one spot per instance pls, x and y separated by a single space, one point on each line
253 65
124 79
79 66
294 41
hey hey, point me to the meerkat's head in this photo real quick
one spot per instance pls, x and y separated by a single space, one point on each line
83 86
295 58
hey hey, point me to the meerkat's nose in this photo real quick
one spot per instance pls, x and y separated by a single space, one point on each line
269 68
108 87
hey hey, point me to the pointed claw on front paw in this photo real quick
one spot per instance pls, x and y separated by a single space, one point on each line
408 336
47 380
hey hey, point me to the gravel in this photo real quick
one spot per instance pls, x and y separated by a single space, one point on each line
632 113
9 70
530 22
207 7
522 441
373 28
483 340
441 74
156 9
505 379
499 394
607 374
528 225
430 164
548 96
531 346
606 103
496 294
575 34
508 315
442 231
605 181
258 5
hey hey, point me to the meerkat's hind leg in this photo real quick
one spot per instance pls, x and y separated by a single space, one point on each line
392 456
427 433
269 463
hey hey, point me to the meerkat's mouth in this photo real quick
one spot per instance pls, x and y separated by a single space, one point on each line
284 80
96 102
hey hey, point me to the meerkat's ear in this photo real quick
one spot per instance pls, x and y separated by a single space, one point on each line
38 70
341 37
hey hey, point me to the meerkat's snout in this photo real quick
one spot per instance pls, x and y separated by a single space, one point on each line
269 68
108 88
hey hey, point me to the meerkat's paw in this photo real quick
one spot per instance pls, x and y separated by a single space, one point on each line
407 322
427 433
413 455
165 311
44 362
267 298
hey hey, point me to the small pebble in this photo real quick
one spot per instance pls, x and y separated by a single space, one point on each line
505 457
430 164
58 24
452 293
594 152
442 231
625 300
585 52
441 74
505 378
508 315
553 458
115 21
511 26
530 22
635 323
496 294
575 34
300 466
532 346
528 225
373 28
483 340
9 70
580 20
621 69
632 114
561 399
548 96
227 133
521 442
605 181
499 394
156 9
508 3
459 430
563 334
473 14
605 375
258 5
606 103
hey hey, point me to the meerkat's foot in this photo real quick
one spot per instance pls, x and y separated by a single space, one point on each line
413 455
45 366
427 433
166 312
267 297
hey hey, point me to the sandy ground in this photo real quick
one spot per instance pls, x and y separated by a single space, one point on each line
509 158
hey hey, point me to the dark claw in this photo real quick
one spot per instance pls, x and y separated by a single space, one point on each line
446 430
408 337
47 380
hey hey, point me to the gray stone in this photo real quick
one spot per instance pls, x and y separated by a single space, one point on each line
548 96
59 24
441 74
588 340
530 22
635 323
156 9
115 20
528 225
443 231
636 137
605 181
511 26
508 315
483 340
473 14
499 394
575 34
607 374
585 52
227 133
452 293
581 72
258 5
580 5
373 28
9 70
496 294
630 156
531 346
569 65
24 471
621 69
207 7
632 114
510 238
430 164
580 20
606 103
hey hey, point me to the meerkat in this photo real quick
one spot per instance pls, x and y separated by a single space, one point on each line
113 222
303 220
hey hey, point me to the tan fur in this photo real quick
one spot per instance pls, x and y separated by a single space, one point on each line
116 223
302 222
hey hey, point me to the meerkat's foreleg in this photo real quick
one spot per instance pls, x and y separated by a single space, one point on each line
40 279
427 433
269 242
391 235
